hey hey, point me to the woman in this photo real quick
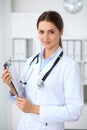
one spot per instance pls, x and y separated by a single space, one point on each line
52 87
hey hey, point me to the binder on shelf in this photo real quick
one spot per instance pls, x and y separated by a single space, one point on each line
77 44
85 94
16 65
71 48
29 48
19 49
21 67
64 43
85 72
36 46
84 50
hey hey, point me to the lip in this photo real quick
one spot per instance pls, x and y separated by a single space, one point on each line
47 42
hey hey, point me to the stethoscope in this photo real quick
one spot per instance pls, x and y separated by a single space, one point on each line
40 83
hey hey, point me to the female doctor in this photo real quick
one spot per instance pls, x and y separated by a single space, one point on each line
51 81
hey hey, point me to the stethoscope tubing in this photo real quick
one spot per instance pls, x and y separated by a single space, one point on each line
40 83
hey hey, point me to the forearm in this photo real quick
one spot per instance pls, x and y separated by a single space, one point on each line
55 113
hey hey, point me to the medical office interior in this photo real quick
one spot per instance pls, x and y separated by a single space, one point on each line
18 39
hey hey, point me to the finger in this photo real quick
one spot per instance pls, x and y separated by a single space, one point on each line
21 107
7 77
21 99
4 72
19 102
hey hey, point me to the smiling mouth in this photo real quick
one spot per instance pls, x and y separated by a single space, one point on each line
46 43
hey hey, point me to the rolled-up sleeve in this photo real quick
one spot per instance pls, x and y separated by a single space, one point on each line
12 98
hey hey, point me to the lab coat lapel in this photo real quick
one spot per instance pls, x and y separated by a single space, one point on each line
49 65
43 72
37 67
46 69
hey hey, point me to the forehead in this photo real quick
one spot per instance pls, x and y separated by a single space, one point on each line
45 25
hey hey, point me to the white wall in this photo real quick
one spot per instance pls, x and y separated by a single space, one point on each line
75 24
5 52
36 6
2 90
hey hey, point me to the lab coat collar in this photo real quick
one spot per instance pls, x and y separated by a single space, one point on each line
50 63
54 54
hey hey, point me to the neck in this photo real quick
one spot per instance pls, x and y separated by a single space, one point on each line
49 52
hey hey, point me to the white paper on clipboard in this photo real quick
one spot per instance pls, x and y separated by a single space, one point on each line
15 78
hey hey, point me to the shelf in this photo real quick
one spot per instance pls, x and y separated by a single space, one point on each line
24 60
85 83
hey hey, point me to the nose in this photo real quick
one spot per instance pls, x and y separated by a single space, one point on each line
46 36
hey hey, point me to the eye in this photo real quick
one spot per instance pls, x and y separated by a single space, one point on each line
41 31
52 31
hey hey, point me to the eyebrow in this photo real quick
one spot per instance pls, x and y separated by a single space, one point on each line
47 30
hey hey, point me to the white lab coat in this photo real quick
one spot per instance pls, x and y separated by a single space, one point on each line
60 100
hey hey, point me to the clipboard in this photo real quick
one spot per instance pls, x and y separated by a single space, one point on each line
15 77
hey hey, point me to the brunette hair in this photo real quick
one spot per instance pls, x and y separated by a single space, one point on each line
55 18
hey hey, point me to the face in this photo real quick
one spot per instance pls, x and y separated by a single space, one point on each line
49 35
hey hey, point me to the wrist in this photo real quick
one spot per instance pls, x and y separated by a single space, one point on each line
36 109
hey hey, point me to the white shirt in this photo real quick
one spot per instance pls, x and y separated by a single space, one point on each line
60 100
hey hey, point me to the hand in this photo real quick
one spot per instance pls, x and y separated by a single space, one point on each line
6 77
26 106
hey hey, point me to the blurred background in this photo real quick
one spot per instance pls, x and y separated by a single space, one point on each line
18 39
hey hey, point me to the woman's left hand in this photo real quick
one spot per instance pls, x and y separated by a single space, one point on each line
26 106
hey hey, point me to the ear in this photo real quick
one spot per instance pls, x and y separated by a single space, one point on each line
61 32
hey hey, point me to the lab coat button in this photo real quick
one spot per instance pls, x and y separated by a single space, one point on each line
46 124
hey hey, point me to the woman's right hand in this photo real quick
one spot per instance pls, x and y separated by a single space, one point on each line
6 77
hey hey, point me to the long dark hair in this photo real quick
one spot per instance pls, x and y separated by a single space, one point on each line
55 18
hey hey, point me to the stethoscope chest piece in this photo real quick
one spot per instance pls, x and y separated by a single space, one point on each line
40 84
